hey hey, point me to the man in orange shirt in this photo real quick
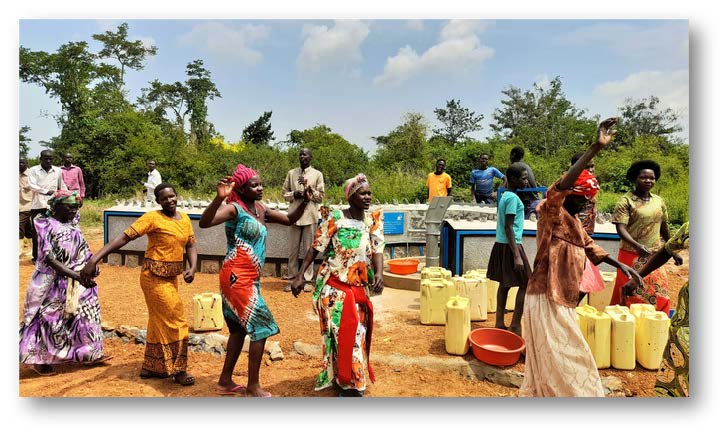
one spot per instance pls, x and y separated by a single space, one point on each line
439 183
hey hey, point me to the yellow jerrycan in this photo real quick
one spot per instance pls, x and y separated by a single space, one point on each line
601 299
596 327
434 294
475 290
207 312
511 300
622 352
651 337
457 325
435 272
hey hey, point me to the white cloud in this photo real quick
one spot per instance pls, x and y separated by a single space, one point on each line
228 41
671 87
458 50
417 25
333 47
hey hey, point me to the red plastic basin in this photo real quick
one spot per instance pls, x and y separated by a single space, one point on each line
495 346
403 266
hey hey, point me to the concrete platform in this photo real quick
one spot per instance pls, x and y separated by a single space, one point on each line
409 282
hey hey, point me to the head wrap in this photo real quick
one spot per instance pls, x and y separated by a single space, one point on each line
586 184
353 184
241 175
62 196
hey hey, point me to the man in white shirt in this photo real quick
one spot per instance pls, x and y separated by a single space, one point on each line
303 231
153 179
44 180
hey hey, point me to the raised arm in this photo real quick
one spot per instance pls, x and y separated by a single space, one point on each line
214 214
293 215
604 137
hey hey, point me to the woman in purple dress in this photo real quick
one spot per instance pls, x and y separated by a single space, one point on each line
51 331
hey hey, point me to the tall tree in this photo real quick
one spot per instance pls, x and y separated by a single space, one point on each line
542 119
129 54
199 89
457 122
23 140
404 147
259 132
161 98
644 118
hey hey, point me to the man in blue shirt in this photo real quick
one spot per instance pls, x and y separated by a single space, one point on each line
481 181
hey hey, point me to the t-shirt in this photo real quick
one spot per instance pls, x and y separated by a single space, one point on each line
438 185
509 204
483 180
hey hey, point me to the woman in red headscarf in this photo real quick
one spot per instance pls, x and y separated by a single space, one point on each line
244 308
558 360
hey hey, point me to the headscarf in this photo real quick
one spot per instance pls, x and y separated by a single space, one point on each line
353 184
586 184
62 196
241 175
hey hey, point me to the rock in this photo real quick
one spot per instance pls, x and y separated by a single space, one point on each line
107 327
274 350
196 339
306 349
502 376
141 337
216 342
613 387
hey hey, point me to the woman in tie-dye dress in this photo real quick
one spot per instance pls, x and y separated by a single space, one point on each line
244 308
49 335
352 243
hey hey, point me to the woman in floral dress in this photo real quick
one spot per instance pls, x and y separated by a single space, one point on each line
352 243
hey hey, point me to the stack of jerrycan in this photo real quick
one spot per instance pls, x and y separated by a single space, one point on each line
457 325
652 330
596 327
434 294
600 300
207 312
474 289
435 272
622 352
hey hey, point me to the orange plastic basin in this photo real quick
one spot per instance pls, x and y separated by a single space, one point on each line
403 266
495 346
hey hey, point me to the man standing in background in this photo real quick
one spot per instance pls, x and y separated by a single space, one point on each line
481 181
303 231
439 183
44 180
25 197
73 177
153 179
530 199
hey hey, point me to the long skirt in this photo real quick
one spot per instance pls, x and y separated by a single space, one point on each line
558 360
673 375
46 336
655 290
167 330
329 303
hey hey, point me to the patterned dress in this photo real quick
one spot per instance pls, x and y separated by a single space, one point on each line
46 336
642 220
348 248
167 328
673 375
242 304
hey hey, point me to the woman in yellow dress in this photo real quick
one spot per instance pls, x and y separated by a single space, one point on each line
169 234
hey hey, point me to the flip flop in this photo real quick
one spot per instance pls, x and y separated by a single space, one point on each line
184 379
43 373
235 390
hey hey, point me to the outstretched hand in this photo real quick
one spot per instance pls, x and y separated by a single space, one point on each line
605 133
632 274
87 274
225 187
297 285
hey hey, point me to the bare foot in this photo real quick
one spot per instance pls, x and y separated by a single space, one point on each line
256 390
515 329
501 327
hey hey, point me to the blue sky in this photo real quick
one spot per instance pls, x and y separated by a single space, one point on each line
360 77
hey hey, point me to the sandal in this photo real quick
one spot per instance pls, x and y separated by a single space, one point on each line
43 369
184 379
235 390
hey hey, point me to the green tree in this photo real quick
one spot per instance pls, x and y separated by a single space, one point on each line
644 118
161 98
129 54
259 132
404 147
199 89
23 140
457 122
542 119
334 156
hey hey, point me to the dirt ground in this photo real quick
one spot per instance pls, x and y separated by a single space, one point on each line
397 330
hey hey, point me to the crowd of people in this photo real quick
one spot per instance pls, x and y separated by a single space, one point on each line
61 315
